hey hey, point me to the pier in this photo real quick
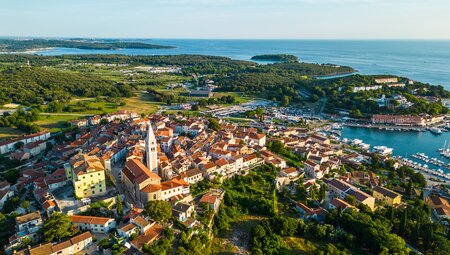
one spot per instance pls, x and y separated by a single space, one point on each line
386 127
440 175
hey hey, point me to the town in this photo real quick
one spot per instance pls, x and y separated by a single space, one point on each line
126 183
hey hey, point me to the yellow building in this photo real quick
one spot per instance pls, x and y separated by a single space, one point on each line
88 176
388 196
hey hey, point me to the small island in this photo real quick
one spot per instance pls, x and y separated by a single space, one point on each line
276 58
22 45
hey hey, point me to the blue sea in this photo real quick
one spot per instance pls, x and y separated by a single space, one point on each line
421 60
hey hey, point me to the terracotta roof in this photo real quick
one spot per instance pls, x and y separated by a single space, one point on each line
128 227
341 185
170 185
358 194
339 203
141 221
3 193
89 219
138 172
28 217
385 192
61 246
42 249
47 204
209 165
149 236
249 157
193 172
23 137
221 162
290 170
81 237
151 188
210 199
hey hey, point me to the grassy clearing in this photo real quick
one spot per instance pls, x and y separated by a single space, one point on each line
55 122
8 132
140 104
298 245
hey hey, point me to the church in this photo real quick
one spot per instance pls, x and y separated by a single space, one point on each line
143 182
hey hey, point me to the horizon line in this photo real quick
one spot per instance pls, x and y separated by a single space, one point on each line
234 38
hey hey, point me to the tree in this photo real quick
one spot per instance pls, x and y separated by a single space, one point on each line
159 210
195 107
119 206
57 227
26 204
404 221
409 188
419 179
214 124
350 199
11 175
285 101
313 192
301 192
355 113
315 98
18 145
322 192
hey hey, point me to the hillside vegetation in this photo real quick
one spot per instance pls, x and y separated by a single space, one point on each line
34 85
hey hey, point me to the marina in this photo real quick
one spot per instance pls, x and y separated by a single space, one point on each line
405 144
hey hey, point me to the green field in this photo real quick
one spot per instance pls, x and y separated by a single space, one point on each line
55 123
8 132
140 104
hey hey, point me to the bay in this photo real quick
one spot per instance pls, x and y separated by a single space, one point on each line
404 143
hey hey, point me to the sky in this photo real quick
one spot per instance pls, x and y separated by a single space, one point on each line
227 19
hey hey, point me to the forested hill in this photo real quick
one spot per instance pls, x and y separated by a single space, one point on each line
11 45
191 63
30 85
309 69
276 58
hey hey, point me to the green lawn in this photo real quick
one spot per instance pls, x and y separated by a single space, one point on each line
8 132
140 104
55 122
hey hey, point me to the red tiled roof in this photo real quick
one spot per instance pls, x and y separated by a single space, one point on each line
138 172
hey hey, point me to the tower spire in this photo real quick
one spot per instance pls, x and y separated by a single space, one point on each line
150 148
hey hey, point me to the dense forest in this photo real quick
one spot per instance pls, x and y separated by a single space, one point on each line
35 85
12 45
199 64
276 58
278 82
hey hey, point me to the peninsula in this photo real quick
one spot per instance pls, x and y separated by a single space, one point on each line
22 45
